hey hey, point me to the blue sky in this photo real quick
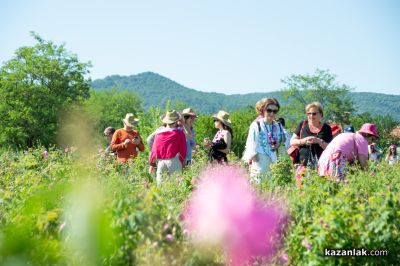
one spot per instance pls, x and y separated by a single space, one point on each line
222 46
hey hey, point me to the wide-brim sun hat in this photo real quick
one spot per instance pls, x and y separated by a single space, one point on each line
189 112
130 120
370 129
223 117
171 117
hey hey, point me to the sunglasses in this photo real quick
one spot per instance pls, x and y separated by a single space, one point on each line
275 111
216 120
312 113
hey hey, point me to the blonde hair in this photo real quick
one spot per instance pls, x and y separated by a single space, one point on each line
316 105
264 102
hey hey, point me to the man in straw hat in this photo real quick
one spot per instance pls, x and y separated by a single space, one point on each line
187 124
126 140
347 148
169 147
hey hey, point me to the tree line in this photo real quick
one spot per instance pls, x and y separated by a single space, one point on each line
43 84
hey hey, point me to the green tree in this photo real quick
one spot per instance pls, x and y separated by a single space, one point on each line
35 85
322 86
107 108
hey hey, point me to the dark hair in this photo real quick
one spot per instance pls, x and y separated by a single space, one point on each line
109 131
225 127
281 120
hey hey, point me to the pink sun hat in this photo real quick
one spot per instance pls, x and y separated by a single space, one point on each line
369 128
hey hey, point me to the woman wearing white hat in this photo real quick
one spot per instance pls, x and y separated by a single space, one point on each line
221 143
169 147
126 140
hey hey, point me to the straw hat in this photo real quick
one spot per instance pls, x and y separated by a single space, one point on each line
188 111
130 120
171 117
369 128
223 117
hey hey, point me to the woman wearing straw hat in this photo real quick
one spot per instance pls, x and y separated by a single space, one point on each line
169 147
126 141
189 116
221 143
347 148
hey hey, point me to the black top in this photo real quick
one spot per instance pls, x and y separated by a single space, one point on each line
304 150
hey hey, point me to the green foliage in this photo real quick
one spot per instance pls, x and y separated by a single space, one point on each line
322 86
61 209
385 125
361 214
108 108
38 83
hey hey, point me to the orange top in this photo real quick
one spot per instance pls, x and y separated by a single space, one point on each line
126 151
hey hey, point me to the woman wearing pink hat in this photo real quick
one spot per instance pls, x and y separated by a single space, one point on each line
347 148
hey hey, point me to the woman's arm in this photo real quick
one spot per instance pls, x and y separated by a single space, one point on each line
363 159
228 141
296 141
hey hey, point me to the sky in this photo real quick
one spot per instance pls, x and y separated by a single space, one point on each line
221 46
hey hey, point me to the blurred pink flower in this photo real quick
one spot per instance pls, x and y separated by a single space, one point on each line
193 151
45 154
186 232
169 238
197 146
306 244
284 258
165 228
224 210
66 150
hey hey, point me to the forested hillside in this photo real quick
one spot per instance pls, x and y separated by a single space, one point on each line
156 90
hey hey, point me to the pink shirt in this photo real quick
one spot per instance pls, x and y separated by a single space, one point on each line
346 143
168 144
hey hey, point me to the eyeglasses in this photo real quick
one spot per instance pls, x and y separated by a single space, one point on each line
216 120
272 110
312 113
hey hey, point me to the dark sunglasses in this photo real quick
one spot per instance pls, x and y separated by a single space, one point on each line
275 111
312 113
216 120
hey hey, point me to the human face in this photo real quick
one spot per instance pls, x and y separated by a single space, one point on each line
314 115
109 137
270 111
370 139
217 123
190 120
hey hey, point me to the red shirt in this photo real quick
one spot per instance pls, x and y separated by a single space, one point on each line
125 151
168 144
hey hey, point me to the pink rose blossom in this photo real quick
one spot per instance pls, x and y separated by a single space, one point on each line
45 154
306 244
224 210
284 258
169 238
66 150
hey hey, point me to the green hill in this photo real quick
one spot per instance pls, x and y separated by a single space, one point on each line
156 90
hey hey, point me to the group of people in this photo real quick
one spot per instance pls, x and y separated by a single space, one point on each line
314 144
172 143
